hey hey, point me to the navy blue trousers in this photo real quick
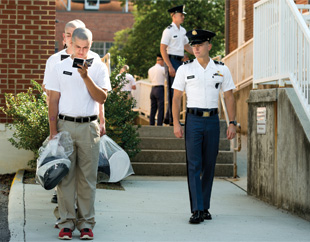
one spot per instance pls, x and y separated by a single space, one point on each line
202 136
175 63
157 103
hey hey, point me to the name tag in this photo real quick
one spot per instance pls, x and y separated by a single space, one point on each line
191 77
67 73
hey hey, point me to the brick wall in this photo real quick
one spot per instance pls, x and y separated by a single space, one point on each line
233 25
27 39
102 24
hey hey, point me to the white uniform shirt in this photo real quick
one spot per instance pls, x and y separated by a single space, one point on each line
175 39
129 82
57 57
201 85
157 75
75 100
50 63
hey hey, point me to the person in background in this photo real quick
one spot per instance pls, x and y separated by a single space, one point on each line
129 82
173 43
157 77
202 79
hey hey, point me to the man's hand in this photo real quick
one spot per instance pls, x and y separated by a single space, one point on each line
231 131
102 129
178 131
83 70
171 71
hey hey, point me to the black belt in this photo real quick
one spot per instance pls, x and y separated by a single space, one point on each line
158 86
202 112
177 57
78 120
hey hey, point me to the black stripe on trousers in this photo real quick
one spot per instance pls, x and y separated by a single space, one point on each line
189 189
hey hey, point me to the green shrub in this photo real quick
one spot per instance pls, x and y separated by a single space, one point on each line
30 119
119 114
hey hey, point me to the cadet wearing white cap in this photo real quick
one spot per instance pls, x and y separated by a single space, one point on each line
202 79
173 43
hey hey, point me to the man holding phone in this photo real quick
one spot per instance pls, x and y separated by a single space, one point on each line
75 94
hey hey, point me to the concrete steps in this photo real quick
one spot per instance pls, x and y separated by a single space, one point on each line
162 154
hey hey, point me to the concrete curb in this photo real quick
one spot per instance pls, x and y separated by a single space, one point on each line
16 208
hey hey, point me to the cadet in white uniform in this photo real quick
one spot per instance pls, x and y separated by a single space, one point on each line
202 79
75 95
173 43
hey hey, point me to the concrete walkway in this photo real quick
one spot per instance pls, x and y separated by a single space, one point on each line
157 209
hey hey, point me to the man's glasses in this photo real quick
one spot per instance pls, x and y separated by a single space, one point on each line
159 59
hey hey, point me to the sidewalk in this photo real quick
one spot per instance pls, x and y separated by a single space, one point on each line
157 209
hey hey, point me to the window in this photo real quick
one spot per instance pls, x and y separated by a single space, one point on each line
101 48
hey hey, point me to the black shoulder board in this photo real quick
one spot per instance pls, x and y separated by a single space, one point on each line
169 26
218 63
189 61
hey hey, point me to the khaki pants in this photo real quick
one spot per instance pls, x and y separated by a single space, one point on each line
82 177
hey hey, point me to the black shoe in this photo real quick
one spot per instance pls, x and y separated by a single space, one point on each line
166 121
196 218
54 198
207 215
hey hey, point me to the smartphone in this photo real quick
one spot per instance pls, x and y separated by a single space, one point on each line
78 61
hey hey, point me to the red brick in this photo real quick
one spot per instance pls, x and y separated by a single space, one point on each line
5 21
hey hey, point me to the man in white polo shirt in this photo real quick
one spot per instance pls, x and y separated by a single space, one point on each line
75 94
157 77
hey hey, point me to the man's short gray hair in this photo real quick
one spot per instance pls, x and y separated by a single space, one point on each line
75 24
82 34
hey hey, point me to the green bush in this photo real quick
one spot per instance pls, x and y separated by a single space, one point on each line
119 114
30 119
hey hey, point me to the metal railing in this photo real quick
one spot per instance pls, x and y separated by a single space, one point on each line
282 47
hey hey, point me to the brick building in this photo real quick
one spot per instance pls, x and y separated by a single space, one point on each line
27 37
104 21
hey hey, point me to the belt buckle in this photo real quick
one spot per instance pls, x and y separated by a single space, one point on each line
206 114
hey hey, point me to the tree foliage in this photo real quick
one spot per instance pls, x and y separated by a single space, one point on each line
140 44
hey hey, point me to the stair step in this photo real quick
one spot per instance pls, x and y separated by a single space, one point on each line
167 131
175 169
159 143
176 156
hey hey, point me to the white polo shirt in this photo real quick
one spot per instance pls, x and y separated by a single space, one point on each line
57 57
157 75
129 82
75 100
51 62
201 85
175 39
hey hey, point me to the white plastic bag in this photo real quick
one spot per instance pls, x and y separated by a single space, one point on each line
114 163
53 163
